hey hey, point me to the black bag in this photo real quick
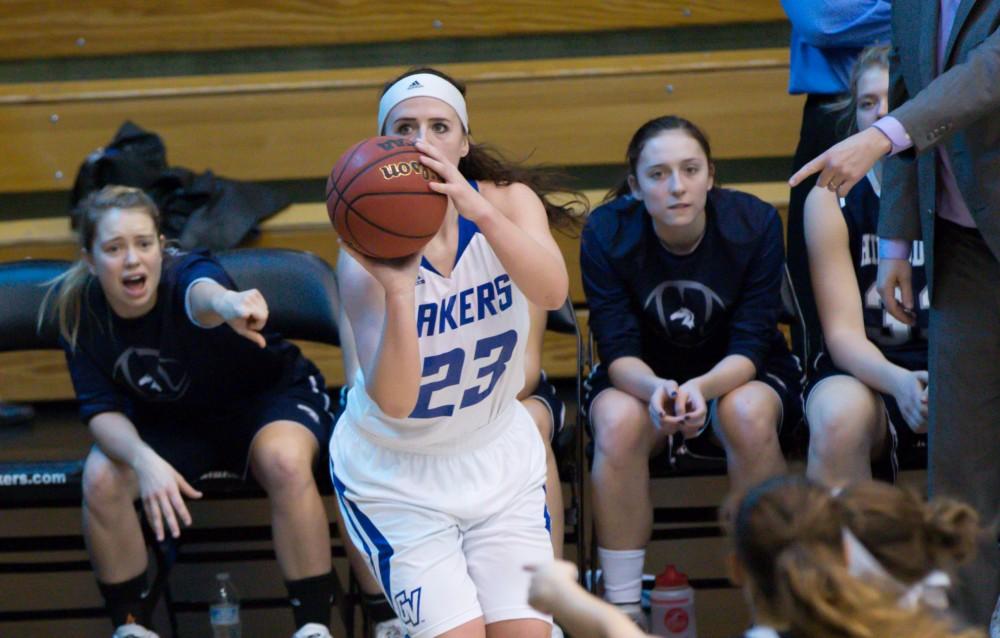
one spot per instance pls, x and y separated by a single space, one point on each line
200 211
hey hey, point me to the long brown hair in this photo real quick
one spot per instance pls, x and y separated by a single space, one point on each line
787 533
69 288
907 535
484 162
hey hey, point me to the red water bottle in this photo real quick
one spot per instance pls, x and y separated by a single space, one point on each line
672 605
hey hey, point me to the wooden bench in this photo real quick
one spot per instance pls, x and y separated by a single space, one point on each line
112 27
293 125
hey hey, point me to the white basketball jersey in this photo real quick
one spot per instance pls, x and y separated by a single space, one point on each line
472 328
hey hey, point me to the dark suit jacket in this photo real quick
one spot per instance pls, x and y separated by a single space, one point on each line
960 108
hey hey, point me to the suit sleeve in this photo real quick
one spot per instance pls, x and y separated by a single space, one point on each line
958 97
612 321
755 316
899 210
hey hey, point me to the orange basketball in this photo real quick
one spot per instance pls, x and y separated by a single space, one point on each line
379 199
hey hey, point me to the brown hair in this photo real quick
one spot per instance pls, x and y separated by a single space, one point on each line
908 536
484 162
847 106
649 130
787 534
69 287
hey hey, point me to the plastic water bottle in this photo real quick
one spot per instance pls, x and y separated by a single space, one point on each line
224 613
672 606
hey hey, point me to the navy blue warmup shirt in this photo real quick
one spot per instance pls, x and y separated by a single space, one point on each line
682 314
162 366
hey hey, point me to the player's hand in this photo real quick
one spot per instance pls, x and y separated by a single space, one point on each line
911 396
895 286
842 165
162 490
549 583
661 407
690 404
246 313
396 276
467 200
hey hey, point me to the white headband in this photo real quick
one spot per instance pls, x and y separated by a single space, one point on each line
931 590
422 85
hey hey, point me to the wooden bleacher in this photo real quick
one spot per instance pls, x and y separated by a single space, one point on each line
293 125
113 27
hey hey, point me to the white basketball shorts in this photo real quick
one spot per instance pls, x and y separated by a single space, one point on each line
447 535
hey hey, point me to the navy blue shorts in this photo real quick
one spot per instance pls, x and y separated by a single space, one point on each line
546 393
904 447
219 445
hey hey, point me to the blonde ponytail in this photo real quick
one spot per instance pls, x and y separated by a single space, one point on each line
68 290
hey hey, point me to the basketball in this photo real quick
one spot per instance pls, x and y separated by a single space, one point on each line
379 198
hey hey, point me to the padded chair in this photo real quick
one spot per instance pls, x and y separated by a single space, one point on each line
569 445
298 287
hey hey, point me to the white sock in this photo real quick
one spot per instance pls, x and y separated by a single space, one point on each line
622 574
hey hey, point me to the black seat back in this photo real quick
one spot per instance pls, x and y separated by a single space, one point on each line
22 288
298 287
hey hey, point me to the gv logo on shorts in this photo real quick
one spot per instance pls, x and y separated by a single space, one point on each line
408 607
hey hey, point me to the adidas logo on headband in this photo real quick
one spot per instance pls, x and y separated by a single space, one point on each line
422 85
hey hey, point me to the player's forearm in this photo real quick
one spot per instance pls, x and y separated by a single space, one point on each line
585 616
728 374
856 355
203 300
634 376
117 437
539 273
393 381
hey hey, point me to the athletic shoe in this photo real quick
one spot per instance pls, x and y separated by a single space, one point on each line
312 630
133 631
636 614
392 628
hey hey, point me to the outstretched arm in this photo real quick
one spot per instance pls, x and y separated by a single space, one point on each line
554 590
929 118
211 304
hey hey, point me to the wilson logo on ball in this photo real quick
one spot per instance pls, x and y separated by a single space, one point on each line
402 169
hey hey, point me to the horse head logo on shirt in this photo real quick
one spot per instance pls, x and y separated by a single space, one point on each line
151 377
687 310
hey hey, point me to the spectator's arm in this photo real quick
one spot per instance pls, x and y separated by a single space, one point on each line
840 23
